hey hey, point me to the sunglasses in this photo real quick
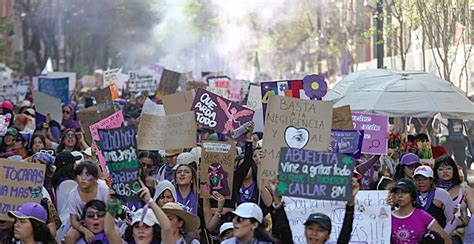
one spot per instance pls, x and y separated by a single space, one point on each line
50 152
240 219
92 215
66 112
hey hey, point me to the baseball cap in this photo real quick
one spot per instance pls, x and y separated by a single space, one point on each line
30 210
226 226
424 170
323 220
12 131
65 157
78 155
405 185
149 218
409 159
7 104
249 210
185 158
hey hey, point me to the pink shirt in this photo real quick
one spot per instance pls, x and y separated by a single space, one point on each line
410 229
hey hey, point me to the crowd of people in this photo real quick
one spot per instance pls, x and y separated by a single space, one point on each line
430 203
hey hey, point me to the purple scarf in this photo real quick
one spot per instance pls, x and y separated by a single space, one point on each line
246 193
71 123
447 185
189 203
425 202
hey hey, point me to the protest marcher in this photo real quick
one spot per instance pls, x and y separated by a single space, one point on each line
435 201
6 227
88 189
409 223
149 162
186 187
140 232
165 192
166 171
213 218
69 120
94 217
38 143
7 142
30 224
20 147
408 163
72 140
249 225
226 231
447 177
384 183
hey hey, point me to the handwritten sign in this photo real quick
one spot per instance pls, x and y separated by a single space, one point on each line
217 168
141 81
169 83
111 77
315 175
150 107
219 114
20 182
113 121
294 123
375 129
167 132
87 117
46 104
286 88
103 98
191 85
179 102
119 148
55 87
342 118
347 142
372 217
254 100
4 123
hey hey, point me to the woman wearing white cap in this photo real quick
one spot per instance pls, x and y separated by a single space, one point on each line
248 225
226 231
433 200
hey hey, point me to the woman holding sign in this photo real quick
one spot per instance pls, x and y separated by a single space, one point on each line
30 224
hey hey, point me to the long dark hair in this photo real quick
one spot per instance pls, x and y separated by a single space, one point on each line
261 234
128 236
448 161
89 166
41 137
62 173
194 184
62 145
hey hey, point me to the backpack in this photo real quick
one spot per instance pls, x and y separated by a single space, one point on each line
455 129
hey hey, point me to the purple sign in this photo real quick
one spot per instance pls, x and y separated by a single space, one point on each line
347 142
221 115
375 129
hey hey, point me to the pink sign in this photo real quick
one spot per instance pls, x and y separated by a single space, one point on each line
113 121
375 129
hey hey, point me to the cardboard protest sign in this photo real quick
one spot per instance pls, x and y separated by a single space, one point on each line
315 175
103 98
254 100
192 85
294 123
286 88
235 88
110 77
46 104
150 107
375 129
179 102
372 218
141 81
347 142
87 117
217 168
119 148
4 123
258 120
55 87
169 82
20 182
113 121
342 118
219 114
167 132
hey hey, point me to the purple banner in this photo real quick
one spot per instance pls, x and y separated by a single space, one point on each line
221 115
347 141
375 129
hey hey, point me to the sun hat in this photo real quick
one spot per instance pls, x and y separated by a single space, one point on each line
197 151
226 226
162 186
150 218
172 152
30 210
185 158
249 210
191 221
323 220
409 159
424 170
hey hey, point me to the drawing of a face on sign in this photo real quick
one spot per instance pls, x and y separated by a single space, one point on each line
218 179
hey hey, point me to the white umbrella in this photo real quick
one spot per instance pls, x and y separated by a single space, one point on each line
401 94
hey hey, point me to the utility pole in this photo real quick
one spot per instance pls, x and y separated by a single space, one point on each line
379 35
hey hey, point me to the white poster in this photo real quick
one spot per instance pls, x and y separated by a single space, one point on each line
372 217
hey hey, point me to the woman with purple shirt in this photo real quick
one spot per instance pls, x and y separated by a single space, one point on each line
186 185
69 115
